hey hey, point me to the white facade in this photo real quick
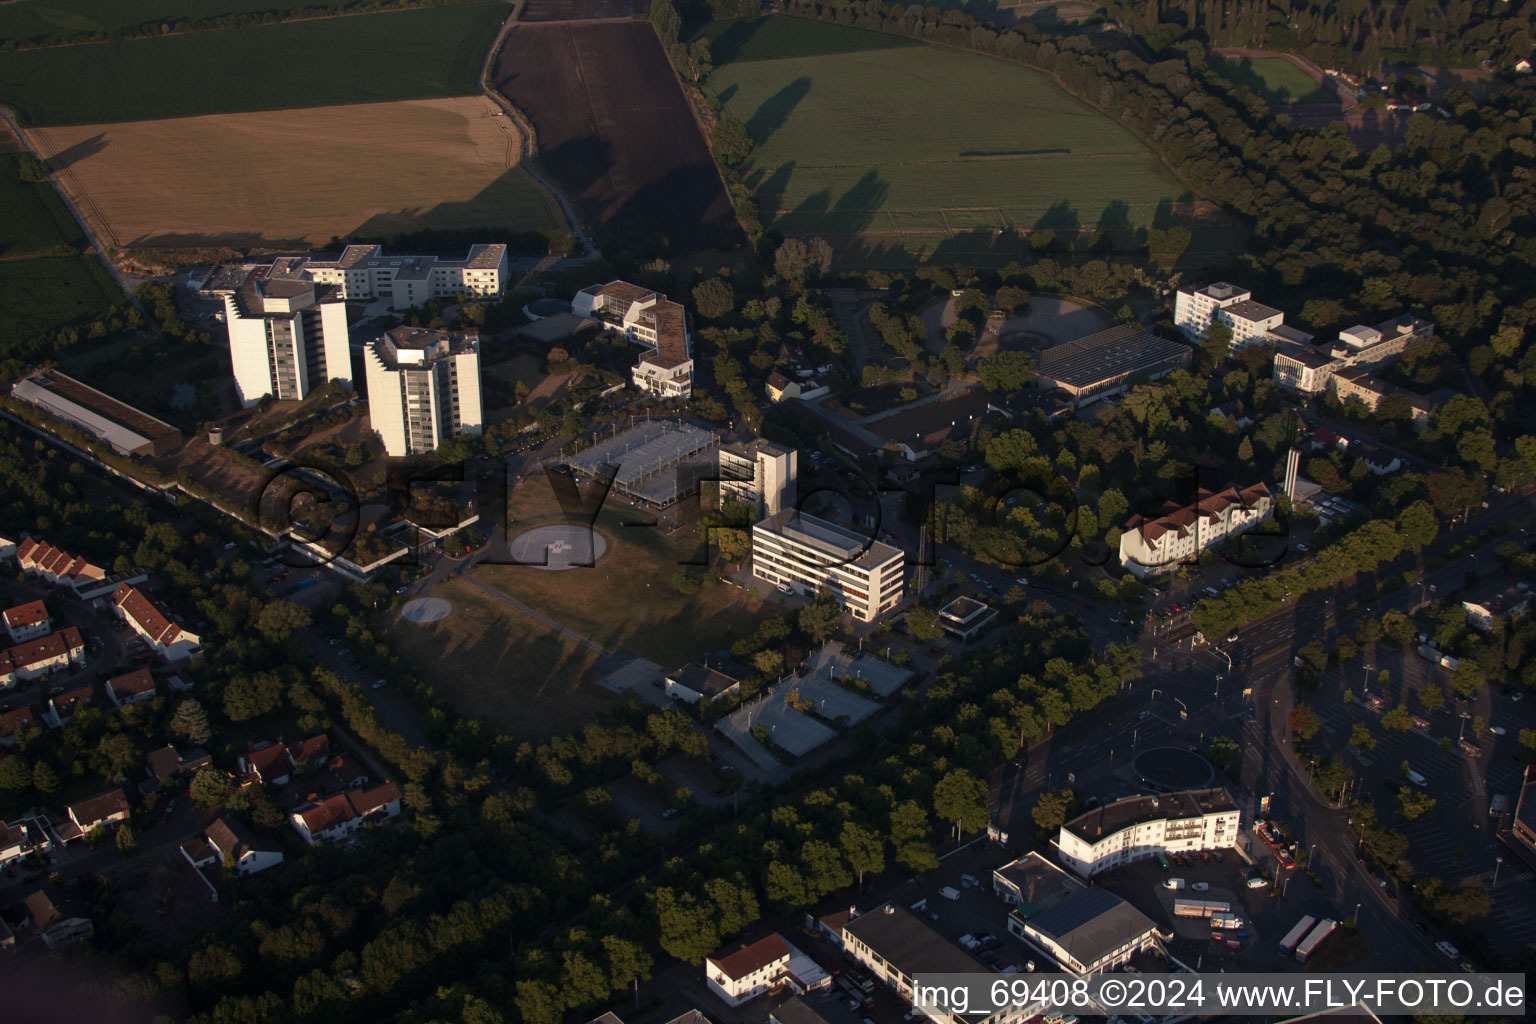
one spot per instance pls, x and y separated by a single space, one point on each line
749 972
286 340
1302 370
760 473
423 388
1250 322
1143 826
364 272
805 553
1194 310
1178 535
650 319
1362 347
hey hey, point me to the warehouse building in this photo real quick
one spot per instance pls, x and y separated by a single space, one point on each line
1107 362
126 429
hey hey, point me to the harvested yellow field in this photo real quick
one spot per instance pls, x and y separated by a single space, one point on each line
288 177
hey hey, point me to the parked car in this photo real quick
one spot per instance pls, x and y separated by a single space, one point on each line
669 814
1201 887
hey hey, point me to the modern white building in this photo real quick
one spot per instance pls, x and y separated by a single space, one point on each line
1194 309
364 272
650 319
1162 543
1362 347
1138 827
760 473
1251 323
1092 932
749 970
286 339
423 388
1302 369
803 553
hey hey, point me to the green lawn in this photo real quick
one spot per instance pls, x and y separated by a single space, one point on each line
41 295
41 20
364 59
779 36
930 150
1274 80
35 218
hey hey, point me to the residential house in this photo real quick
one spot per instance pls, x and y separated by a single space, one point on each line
707 679
1152 544
58 919
747 971
336 817
39 558
10 721
153 624
109 808
168 762
131 687
62 706
21 837
27 621
41 656
7 548
268 763
313 751
234 846
1378 461
342 771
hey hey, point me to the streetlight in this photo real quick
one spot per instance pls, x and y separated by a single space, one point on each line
1498 862
1310 851
1357 915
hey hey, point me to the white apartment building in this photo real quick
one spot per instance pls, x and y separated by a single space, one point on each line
760 473
1302 369
364 272
646 318
1138 827
151 622
286 338
1251 323
1162 543
423 388
803 553
1194 310
1362 347
748 971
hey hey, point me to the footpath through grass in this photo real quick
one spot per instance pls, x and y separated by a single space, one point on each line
370 58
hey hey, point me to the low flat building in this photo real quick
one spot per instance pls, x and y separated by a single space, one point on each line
1493 601
1033 883
748 970
42 656
1302 369
1161 543
1108 362
654 462
965 617
365 272
760 473
128 430
898 947
707 679
650 319
27 621
151 622
803 554
1092 932
1373 347
1139 827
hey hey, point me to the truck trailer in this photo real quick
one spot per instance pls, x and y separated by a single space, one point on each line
1315 938
1296 934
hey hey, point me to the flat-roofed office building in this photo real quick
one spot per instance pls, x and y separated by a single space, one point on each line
1107 362
805 553
760 473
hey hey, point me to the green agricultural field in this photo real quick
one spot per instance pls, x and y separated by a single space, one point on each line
1274 79
36 21
776 37
896 153
35 220
41 295
369 58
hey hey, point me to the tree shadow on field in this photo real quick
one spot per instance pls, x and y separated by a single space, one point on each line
579 163
69 156
857 208
727 47
770 190
1116 218
688 205
775 110
1060 217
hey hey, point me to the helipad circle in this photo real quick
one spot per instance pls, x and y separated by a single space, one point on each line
558 547
1170 768
425 609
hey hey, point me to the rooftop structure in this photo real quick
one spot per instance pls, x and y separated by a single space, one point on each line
706 679
647 318
423 388
657 462
918 430
1106 362
1033 884
965 617
128 430
1374 347
802 553
1178 534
